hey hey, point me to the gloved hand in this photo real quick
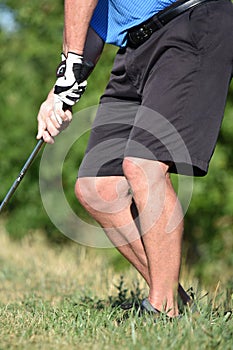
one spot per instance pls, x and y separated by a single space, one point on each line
71 83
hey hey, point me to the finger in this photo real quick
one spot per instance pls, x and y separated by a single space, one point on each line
55 120
58 118
64 116
41 128
53 127
60 109
69 115
57 107
47 137
43 133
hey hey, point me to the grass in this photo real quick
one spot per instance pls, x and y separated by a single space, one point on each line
68 298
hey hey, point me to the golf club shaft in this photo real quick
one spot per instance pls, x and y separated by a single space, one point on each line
21 174
24 170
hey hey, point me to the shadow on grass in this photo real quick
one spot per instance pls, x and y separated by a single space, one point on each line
220 305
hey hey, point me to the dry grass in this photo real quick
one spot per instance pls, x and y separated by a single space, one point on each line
52 272
64 297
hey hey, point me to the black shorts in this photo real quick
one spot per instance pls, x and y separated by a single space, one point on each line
165 99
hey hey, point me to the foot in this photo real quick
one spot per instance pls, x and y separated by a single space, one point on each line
150 309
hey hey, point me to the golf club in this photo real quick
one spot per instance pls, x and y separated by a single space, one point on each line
21 174
86 71
87 68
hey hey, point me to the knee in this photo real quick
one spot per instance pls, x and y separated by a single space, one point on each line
147 178
131 170
143 172
102 194
86 193
82 191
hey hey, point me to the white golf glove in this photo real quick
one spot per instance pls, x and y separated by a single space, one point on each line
71 83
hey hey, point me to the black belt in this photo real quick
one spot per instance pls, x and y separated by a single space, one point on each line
140 33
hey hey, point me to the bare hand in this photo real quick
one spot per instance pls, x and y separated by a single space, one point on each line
52 119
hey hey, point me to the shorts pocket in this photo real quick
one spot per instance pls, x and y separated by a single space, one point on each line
200 27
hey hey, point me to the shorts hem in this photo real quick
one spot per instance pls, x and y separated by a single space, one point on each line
98 172
197 168
189 167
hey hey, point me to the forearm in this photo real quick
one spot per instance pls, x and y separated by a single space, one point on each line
77 17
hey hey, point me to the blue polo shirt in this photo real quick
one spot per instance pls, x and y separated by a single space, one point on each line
112 18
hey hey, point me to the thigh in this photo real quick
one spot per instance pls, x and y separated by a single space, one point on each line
112 125
184 94
108 139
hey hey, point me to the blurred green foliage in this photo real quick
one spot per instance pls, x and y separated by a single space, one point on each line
29 55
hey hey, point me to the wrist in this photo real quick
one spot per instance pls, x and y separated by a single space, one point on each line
73 55
73 58
51 94
77 51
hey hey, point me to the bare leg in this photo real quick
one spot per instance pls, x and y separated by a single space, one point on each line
162 227
183 295
108 200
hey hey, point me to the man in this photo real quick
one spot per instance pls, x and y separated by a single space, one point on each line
160 113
